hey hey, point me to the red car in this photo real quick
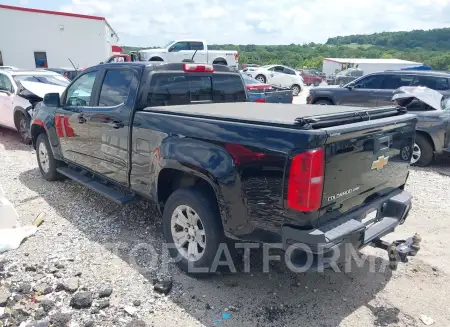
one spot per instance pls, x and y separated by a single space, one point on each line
309 78
253 84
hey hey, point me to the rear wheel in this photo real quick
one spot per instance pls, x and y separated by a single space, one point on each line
47 163
220 62
316 83
192 223
296 89
422 152
324 102
261 78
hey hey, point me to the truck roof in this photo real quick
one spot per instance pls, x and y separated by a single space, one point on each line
272 113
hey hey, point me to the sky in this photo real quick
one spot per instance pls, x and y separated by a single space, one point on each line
155 22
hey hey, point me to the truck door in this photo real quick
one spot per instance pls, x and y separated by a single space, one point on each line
101 129
179 51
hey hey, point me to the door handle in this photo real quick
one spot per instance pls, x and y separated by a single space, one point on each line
116 124
81 120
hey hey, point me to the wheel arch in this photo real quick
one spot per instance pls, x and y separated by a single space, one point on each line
156 58
172 178
428 137
219 60
37 128
324 98
16 114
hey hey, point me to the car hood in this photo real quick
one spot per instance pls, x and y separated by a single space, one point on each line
41 89
431 97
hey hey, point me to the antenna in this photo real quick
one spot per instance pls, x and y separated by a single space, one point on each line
73 65
194 55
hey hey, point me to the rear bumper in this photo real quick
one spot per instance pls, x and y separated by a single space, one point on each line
333 241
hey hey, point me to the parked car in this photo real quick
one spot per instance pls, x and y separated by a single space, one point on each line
196 50
433 127
68 72
261 92
344 77
377 89
317 72
20 92
230 170
310 78
277 75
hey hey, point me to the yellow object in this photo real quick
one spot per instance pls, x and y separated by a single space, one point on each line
38 220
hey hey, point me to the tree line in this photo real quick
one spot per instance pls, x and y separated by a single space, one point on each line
427 47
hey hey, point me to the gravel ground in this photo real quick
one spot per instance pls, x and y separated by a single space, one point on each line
88 244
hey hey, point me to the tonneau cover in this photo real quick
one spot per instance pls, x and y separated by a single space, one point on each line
273 113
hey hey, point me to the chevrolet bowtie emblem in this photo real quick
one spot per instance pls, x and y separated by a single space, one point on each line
380 163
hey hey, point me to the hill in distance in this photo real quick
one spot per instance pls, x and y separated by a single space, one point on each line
430 47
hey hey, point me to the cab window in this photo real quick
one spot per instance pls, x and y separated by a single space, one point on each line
179 46
79 93
115 88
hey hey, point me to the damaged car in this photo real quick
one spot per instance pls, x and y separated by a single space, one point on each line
20 93
433 127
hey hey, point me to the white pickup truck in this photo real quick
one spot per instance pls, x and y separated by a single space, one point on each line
186 50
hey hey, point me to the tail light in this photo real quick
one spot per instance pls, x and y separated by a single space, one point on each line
262 100
195 68
66 74
305 184
236 57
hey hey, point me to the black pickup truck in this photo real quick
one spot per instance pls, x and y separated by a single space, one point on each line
326 177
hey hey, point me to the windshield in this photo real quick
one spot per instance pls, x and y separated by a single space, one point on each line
167 45
342 73
266 66
45 79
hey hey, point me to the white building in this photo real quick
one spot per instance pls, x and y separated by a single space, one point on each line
331 65
33 38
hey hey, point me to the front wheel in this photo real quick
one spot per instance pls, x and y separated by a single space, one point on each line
47 163
422 155
192 226
324 103
296 90
23 127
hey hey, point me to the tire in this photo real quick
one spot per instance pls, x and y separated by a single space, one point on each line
296 89
47 163
223 63
316 83
23 127
423 150
324 103
207 210
261 78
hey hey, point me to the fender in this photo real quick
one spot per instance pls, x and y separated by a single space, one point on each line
194 157
437 143
45 119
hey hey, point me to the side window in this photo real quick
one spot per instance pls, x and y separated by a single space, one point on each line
392 82
288 71
278 69
1 59
115 88
179 46
370 82
5 83
432 82
197 46
40 59
79 93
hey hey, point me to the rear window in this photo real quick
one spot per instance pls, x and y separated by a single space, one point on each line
169 89
432 82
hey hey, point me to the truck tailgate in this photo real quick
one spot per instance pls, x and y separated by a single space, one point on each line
366 160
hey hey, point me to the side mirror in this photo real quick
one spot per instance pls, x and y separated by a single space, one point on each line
52 100
350 86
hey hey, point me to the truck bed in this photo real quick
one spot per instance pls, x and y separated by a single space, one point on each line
266 113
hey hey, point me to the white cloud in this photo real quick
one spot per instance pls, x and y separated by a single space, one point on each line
154 22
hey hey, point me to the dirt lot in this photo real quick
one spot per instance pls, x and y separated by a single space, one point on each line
95 240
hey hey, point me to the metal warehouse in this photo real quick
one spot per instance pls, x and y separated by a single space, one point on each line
333 65
33 38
